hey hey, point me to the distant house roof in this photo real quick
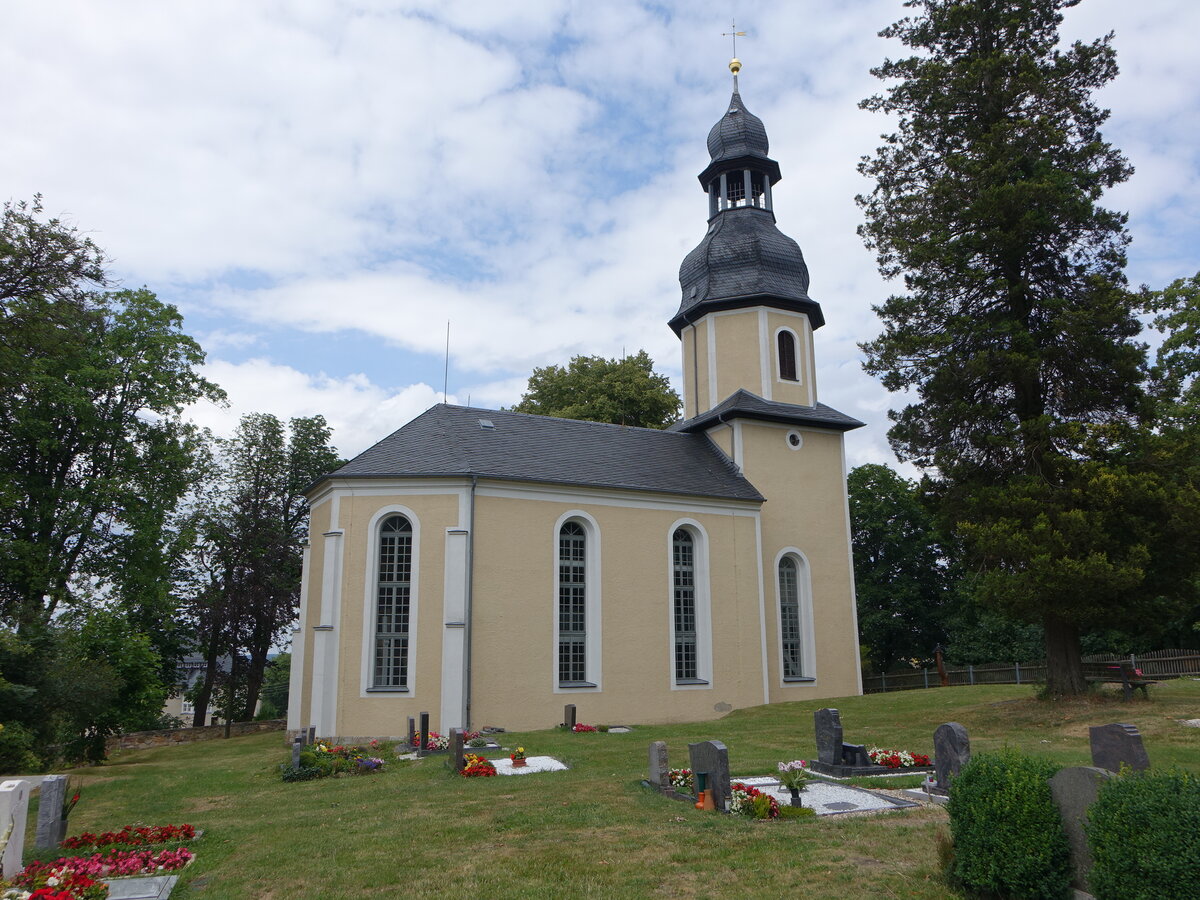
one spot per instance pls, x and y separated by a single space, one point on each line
462 441
745 405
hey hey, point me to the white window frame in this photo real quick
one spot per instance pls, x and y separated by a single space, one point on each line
368 688
808 659
593 678
796 345
703 599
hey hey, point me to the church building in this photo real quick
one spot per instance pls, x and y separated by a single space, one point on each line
488 567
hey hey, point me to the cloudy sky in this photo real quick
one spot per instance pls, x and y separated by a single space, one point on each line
320 185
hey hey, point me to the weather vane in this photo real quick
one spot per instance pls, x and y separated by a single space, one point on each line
735 64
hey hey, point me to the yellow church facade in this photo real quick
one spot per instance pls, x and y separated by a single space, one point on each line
488 567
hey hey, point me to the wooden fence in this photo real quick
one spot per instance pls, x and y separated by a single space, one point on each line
1158 664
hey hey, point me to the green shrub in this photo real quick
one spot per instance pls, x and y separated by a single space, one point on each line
1008 835
16 750
1144 833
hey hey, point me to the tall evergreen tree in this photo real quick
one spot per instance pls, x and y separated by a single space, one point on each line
1016 331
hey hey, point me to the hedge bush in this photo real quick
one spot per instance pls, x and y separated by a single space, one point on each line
1008 835
1144 834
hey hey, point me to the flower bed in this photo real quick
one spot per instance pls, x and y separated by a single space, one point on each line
897 759
475 766
747 800
131 836
322 760
77 877
681 780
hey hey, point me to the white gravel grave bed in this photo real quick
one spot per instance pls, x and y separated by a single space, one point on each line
828 799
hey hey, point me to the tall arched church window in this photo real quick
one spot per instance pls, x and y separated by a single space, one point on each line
789 618
572 604
683 559
393 595
787 356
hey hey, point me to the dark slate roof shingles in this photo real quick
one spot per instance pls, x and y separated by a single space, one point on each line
449 441
747 405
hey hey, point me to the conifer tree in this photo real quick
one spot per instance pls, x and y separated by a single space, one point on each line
1015 332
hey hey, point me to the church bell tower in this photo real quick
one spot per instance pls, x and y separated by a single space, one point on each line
746 319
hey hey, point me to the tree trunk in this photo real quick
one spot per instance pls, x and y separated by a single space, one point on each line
200 704
1064 664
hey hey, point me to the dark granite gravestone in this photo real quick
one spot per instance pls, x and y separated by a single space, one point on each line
1074 790
456 749
51 826
569 716
828 725
423 745
951 751
660 770
712 759
1115 744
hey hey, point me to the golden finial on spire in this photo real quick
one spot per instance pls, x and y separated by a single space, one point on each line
735 64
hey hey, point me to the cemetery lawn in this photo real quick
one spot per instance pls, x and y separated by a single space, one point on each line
418 830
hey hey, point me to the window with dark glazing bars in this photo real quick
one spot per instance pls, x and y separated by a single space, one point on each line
393 590
683 565
572 604
789 617
787 356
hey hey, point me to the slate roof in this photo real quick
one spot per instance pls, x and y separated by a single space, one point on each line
744 260
746 405
450 441
738 133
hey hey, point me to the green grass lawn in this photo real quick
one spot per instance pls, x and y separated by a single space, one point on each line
418 830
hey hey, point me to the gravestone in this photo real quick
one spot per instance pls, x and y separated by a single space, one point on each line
50 824
297 746
456 749
412 732
14 810
951 751
660 770
569 716
855 755
1074 790
711 758
423 746
1115 744
828 724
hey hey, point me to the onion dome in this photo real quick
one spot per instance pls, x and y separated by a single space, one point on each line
744 260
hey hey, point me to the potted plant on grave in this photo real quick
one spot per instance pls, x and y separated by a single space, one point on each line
518 758
794 776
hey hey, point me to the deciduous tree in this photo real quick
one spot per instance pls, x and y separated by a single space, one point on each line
623 391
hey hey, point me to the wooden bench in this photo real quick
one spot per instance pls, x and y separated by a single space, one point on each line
1123 674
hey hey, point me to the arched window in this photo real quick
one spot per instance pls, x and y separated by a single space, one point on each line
787 355
393 595
683 568
789 618
572 604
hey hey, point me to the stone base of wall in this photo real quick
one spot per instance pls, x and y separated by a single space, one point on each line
145 740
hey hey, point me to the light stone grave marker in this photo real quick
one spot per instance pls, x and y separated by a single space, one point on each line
14 811
660 770
1074 789
51 826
